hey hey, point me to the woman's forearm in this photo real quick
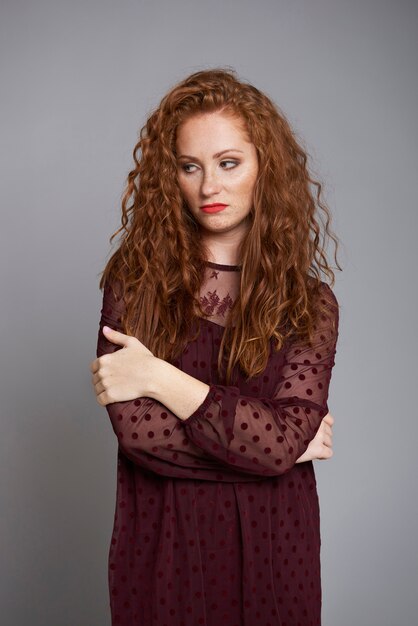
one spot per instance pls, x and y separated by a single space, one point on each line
179 392
182 394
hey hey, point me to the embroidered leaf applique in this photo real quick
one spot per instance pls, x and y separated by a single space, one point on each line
226 304
212 303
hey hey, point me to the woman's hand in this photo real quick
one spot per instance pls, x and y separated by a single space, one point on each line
124 374
321 445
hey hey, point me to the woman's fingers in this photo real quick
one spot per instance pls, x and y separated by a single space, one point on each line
328 419
325 435
321 446
326 453
327 440
328 430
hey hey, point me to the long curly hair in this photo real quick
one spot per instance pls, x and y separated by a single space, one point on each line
158 267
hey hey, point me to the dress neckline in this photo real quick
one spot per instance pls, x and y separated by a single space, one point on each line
222 266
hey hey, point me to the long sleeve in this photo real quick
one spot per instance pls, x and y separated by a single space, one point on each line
266 436
148 433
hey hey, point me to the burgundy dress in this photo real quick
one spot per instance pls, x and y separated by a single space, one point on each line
215 524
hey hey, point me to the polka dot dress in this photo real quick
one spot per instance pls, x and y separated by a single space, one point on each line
214 522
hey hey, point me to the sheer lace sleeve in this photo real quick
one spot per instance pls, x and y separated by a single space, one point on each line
148 433
231 436
266 436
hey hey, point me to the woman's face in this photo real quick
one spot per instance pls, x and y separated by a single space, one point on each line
217 164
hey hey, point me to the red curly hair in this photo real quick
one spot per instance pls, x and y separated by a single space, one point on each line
159 265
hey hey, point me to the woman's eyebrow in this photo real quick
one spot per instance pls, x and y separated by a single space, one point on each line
215 156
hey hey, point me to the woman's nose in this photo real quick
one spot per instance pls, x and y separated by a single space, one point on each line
210 184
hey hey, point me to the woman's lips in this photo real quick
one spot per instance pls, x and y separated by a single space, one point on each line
214 208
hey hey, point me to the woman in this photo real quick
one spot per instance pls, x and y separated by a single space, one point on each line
215 367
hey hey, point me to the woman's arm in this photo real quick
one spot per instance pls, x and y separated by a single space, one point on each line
264 436
151 434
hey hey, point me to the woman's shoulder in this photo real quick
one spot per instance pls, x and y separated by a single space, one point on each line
323 290
327 295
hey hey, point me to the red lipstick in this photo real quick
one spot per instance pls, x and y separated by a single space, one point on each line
213 208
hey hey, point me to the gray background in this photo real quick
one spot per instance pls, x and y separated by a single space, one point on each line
78 80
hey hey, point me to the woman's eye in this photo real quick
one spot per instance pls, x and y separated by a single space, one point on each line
188 165
228 161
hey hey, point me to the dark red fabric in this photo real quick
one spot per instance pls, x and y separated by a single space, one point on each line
215 523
